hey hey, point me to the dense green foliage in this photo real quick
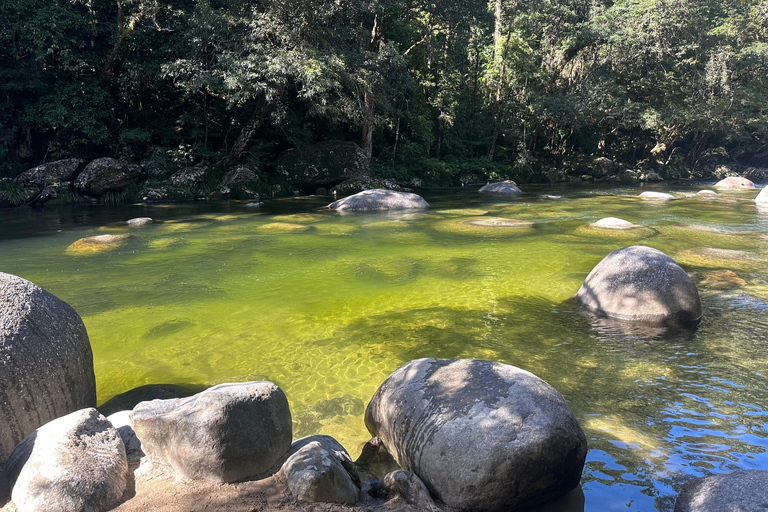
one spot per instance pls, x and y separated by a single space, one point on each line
445 86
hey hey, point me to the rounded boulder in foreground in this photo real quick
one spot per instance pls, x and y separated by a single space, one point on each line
46 363
379 199
641 284
481 435
735 183
502 188
739 491
226 433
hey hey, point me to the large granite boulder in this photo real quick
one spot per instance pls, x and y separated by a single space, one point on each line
75 463
739 491
735 183
379 199
44 174
762 197
226 433
315 473
325 164
122 422
641 284
502 189
481 435
46 363
107 174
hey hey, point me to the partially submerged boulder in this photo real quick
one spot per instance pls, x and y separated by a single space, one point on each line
46 363
315 474
613 223
656 196
139 222
325 164
735 183
641 284
707 193
75 463
97 244
107 174
379 199
480 435
45 174
738 491
502 188
226 433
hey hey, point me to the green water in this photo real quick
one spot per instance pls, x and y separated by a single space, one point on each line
327 305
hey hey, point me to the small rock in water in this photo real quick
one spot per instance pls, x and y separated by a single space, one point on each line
254 205
139 222
226 433
738 491
550 196
707 193
502 188
613 223
316 474
735 183
656 196
74 463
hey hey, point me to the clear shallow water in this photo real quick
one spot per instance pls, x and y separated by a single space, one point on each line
327 305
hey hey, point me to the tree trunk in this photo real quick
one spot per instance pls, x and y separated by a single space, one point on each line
247 133
369 103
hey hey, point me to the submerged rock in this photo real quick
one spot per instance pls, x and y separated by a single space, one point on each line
641 284
139 222
46 363
44 174
656 196
226 433
502 188
75 463
707 193
735 183
613 223
481 435
107 174
738 491
315 473
379 199
97 244
485 226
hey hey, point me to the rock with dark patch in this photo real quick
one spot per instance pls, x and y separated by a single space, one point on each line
641 284
656 196
139 222
613 223
48 193
46 363
315 474
379 199
628 176
738 491
189 176
107 174
333 447
601 167
75 463
735 183
325 164
226 433
404 485
121 422
131 398
762 197
481 435
46 174
502 189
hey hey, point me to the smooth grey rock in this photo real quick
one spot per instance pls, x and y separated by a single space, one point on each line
735 183
502 188
75 463
315 474
107 174
333 447
641 284
601 167
44 174
481 435
226 433
656 196
706 193
139 222
46 363
739 491
189 176
254 205
379 199
613 223
409 488
129 399
121 421
628 176
762 197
